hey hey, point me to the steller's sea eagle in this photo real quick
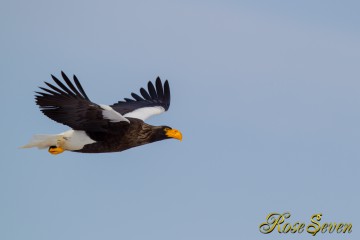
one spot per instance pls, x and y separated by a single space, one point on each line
98 128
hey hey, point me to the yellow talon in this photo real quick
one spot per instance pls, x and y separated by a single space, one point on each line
55 150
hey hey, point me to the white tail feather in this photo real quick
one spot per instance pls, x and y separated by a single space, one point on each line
42 141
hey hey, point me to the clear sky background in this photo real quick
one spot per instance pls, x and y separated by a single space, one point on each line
266 94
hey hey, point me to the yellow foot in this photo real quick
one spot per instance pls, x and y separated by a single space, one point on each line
55 150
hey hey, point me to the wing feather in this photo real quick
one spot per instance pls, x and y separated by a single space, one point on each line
71 106
59 91
167 93
159 88
152 90
145 94
153 101
77 82
69 83
129 100
137 97
64 88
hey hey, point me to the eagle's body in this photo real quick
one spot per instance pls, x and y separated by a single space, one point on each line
124 139
100 128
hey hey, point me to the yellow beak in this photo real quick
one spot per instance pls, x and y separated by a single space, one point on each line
173 133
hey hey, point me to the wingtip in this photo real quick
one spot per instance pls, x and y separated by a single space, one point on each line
136 97
76 80
150 83
158 81
63 74
55 79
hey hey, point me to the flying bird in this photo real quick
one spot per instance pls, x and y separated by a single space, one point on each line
99 128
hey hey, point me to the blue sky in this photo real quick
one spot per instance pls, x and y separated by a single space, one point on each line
266 94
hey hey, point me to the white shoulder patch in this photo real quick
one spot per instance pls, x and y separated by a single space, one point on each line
112 115
145 113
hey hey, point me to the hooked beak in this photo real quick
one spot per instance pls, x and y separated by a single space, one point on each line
173 133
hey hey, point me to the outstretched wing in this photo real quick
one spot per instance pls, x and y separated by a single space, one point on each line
154 101
71 106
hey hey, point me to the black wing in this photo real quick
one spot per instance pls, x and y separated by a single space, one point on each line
155 100
71 106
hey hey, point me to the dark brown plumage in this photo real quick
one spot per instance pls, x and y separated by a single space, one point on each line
135 134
